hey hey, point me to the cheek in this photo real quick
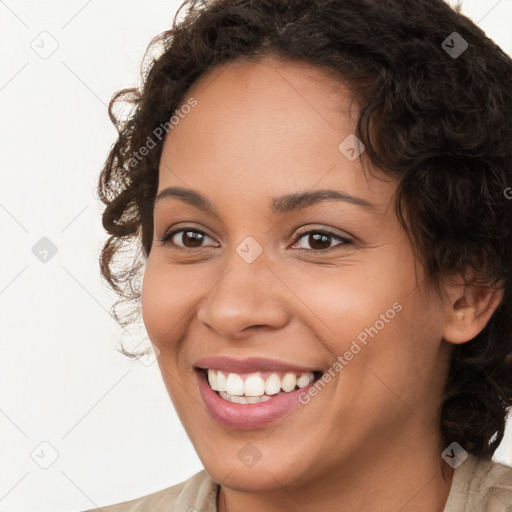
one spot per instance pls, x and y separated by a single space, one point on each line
161 304
345 301
170 295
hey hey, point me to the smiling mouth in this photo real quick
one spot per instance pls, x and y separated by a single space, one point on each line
256 387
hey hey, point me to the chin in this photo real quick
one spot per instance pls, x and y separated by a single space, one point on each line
263 475
250 479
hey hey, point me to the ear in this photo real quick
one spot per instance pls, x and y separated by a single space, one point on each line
468 310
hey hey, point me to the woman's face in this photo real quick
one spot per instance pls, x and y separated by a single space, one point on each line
256 280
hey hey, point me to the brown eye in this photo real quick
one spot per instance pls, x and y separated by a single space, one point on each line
190 238
320 240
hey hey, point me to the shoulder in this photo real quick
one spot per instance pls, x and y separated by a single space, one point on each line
493 481
198 494
481 486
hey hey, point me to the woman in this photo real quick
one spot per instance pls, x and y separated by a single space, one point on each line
319 193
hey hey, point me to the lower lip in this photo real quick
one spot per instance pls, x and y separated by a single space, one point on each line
247 416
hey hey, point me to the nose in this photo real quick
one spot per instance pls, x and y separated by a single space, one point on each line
246 296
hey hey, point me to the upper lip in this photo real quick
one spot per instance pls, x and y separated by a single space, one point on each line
252 364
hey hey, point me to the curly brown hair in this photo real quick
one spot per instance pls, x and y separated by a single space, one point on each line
439 122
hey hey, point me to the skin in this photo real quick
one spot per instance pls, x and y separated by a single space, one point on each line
369 440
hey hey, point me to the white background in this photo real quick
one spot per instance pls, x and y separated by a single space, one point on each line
62 380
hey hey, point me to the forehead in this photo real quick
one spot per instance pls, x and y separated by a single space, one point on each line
288 78
267 100
270 124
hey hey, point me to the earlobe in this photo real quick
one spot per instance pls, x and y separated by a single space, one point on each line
468 311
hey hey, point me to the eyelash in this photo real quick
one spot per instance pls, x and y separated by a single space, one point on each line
165 239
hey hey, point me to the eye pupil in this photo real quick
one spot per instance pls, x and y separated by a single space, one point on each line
315 239
194 236
191 239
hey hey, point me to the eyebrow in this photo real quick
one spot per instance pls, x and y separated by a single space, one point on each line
280 205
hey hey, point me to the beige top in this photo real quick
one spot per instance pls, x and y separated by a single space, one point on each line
477 486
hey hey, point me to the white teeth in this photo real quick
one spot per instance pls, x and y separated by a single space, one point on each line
212 379
255 386
220 381
273 384
234 384
244 399
289 382
303 380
